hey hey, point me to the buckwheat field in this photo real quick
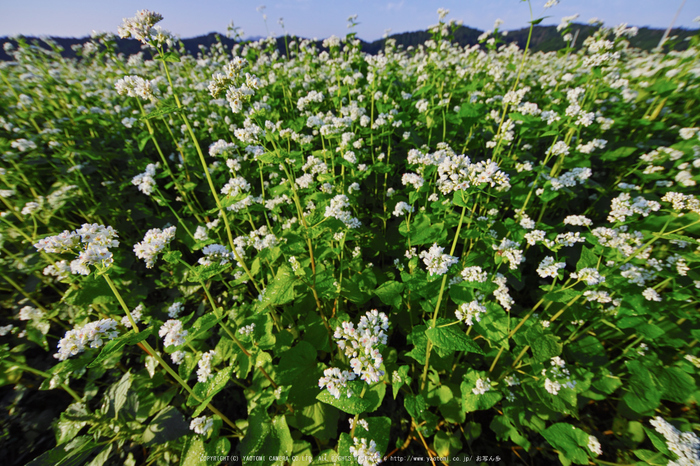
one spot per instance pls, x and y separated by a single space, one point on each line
435 254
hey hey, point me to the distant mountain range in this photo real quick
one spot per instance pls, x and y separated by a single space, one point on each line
544 38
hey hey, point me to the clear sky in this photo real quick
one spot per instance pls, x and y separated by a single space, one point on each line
322 18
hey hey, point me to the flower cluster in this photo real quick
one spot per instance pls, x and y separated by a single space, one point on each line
142 27
402 208
136 314
686 445
153 244
366 455
204 366
362 344
437 262
238 87
557 376
468 312
145 181
30 313
135 86
95 240
201 425
77 340
175 309
172 333
337 210
336 380
549 268
508 249
215 253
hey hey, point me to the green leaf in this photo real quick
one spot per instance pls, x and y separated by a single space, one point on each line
446 444
202 273
352 404
199 329
537 21
193 451
68 428
319 420
477 402
422 232
129 338
657 440
587 259
415 405
570 441
92 290
266 438
281 289
172 257
390 293
169 424
403 379
619 153
544 346
160 112
677 385
452 338
171 57
102 456
643 396
652 458
74 453
205 391
121 392
299 370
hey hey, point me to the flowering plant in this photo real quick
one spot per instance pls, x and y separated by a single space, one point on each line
322 253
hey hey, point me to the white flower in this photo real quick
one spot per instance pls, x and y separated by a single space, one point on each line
201 425
334 380
235 186
508 249
337 210
501 293
362 344
366 455
437 262
468 312
548 268
145 181
589 275
204 369
175 309
686 445
201 233
414 180
650 294
153 244
177 357
30 313
474 274
578 220
135 314
134 86
402 208
482 386
247 329
95 239
172 333
77 340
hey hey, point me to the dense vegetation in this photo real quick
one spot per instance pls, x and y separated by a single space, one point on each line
428 254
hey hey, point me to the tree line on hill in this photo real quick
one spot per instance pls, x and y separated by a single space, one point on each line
544 38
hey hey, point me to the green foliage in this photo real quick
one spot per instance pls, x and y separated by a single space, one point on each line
504 241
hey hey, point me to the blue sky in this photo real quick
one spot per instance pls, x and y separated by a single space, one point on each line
322 18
